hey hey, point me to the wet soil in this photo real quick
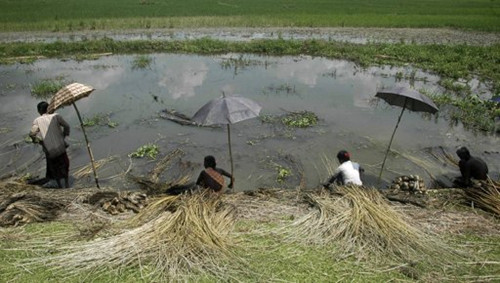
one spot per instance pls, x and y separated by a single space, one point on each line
343 34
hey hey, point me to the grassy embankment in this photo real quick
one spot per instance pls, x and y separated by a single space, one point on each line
69 15
267 258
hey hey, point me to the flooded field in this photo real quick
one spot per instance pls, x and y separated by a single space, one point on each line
129 100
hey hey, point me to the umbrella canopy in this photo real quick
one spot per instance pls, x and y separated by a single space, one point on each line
407 99
69 94
227 111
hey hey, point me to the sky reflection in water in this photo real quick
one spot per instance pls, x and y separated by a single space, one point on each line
339 92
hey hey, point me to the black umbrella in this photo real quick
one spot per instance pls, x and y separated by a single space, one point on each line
407 99
226 111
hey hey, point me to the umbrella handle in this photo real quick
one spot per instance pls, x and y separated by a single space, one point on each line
230 151
88 147
390 142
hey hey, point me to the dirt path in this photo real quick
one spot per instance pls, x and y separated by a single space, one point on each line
354 35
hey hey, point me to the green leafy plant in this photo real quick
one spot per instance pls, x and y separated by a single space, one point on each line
141 62
302 119
46 88
283 173
148 150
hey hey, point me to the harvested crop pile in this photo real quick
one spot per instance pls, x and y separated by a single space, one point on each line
172 238
22 208
118 202
486 195
360 222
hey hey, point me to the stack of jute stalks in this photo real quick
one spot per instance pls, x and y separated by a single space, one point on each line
360 222
171 239
486 195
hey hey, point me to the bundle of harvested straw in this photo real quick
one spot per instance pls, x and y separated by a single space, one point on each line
189 235
486 195
21 208
362 223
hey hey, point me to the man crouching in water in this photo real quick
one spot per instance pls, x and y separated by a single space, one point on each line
49 130
212 177
347 173
470 167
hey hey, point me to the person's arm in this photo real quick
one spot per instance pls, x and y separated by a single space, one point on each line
225 173
34 132
64 124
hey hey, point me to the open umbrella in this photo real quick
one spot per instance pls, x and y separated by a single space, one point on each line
407 99
68 95
226 111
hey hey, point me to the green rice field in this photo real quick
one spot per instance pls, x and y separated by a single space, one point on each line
59 15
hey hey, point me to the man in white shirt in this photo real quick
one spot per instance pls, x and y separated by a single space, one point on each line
49 130
347 173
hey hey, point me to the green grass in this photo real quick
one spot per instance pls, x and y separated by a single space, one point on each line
46 88
69 15
267 258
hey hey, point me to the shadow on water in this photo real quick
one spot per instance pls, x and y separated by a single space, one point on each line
130 101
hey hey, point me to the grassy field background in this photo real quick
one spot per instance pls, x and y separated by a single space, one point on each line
57 15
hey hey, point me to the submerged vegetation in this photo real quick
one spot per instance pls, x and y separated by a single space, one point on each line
141 62
46 88
99 120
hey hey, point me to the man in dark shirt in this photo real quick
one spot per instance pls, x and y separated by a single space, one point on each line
212 177
471 167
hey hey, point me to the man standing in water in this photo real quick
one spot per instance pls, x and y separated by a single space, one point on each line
347 173
470 167
49 130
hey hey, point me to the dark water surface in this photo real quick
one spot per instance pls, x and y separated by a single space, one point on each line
339 92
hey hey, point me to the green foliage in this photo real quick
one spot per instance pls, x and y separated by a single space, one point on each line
76 15
99 120
46 88
302 119
474 112
283 173
141 62
148 150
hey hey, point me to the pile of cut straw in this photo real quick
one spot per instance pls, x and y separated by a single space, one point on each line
486 195
171 239
360 222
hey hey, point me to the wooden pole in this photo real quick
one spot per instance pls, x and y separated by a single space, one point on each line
88 146
390 142
230 151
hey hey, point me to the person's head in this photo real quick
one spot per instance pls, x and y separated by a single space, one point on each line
42 107
209 162
463 153
343 156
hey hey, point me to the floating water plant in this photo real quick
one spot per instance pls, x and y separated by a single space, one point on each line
148 150
302 119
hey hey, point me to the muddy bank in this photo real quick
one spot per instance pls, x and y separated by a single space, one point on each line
347 34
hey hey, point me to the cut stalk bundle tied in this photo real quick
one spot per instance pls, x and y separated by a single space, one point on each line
180 236
486 195
361 222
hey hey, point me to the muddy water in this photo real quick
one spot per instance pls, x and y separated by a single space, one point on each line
339 92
